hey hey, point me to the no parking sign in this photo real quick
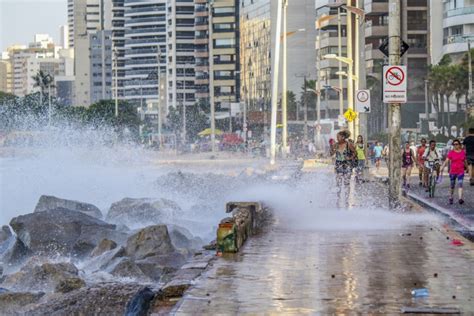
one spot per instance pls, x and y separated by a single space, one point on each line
394 84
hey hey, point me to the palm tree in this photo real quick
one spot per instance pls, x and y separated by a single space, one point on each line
44 81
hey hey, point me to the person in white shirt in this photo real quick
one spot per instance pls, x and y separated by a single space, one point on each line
431 155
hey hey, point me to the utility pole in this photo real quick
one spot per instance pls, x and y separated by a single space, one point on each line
211 81
49 103
356 66
284 107
158 78
339 52
395 108
116 82
275 68
469 61
350 68
184 107
305 100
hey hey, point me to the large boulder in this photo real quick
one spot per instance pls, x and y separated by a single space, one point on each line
47 202
5 234
103 246
148 242
62 231
13 251
97 299
12 302
126 268
40 277
143 212
182 238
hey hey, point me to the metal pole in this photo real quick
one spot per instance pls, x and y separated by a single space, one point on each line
350 67
305 100
230 115
394 113
158 78
339 48
357 67
426 101
469 61
318 86
211 83
284 105
116 83
184 107
49 104
276 65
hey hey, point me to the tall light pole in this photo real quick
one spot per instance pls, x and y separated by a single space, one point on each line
184 107
284 117
158 78
339 52
276 64
394 113
116 81
211 79
469 61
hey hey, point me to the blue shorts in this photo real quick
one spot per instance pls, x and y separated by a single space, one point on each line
453 177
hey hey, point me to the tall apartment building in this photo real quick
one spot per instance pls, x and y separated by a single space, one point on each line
100 70
181 60
416 32
257 40
115 22
327 42
5 76
458 27
201 49
145 45
224 61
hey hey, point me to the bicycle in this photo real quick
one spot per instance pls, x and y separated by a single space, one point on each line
432 167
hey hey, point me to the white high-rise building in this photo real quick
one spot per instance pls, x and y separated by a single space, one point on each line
64 36
458 26
145 40
181 55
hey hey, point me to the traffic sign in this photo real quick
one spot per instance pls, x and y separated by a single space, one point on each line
363 101
350 115
384 47
394 84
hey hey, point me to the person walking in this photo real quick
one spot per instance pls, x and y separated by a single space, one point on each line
385 154
469 146
378 155
344 153
408 158
360 151
458 160
420 162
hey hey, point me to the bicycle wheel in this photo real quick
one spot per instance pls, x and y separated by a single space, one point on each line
432 185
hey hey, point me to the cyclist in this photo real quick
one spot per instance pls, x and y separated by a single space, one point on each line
345 153
458 160
420 162
408 158
360 150
431 156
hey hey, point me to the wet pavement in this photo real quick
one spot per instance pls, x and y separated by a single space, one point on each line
298 269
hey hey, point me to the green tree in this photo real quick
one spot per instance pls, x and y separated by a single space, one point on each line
196 120
309 98
291 103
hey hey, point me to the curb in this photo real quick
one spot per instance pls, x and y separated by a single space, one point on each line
463 225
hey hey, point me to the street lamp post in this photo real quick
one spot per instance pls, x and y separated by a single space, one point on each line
284 110
116 81
184 107
276 63
211 79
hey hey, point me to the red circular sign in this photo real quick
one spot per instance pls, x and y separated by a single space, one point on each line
395 78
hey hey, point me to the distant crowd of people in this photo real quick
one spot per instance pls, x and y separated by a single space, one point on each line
349 156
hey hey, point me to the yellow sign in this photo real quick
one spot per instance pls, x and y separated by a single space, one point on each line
350 115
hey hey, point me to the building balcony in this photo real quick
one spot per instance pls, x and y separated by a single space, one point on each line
202 54
372 52
376 30
203 13
459 16
372 7
201 27
456 44
200 41
201 81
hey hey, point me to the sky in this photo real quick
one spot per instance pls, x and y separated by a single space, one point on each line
20 20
